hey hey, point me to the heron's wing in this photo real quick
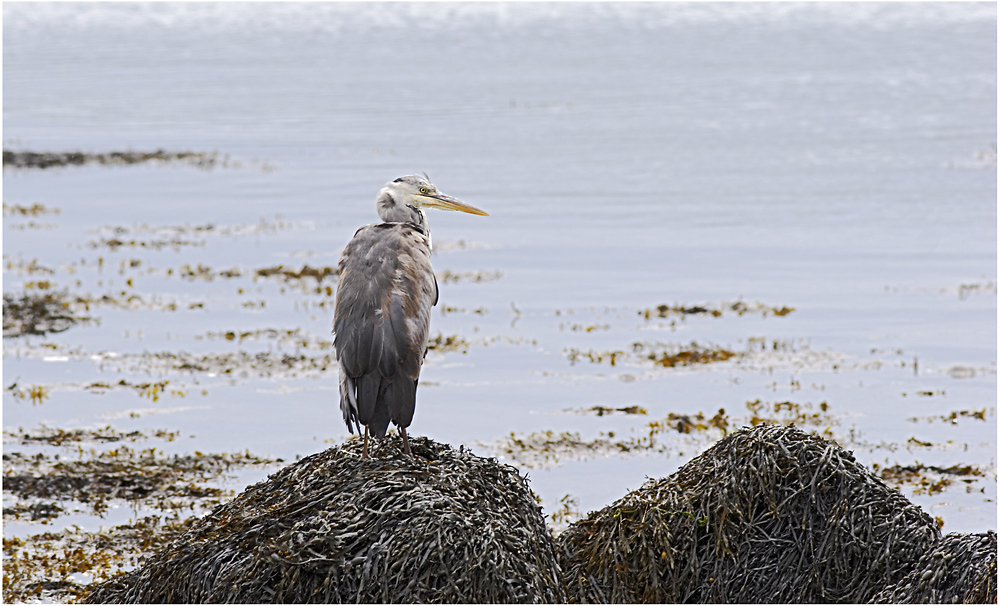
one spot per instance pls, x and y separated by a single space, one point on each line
381 318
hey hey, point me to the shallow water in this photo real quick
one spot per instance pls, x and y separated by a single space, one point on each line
835 159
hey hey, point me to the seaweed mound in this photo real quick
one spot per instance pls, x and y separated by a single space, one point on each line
962 568
771 514
441 526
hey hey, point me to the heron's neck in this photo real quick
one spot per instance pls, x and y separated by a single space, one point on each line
391 211
423 224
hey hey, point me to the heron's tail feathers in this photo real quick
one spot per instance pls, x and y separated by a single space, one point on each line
369 386
379 423
349 401
401 398
377 401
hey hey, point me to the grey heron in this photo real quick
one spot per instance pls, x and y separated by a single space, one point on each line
383 307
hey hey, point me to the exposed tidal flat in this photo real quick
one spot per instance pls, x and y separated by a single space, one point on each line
691 231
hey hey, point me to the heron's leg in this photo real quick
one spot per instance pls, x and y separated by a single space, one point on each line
406 443
364 453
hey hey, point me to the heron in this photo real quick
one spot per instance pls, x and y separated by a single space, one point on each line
383 307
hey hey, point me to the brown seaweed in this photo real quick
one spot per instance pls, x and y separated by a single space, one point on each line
41 160
442 525
771 514
38 314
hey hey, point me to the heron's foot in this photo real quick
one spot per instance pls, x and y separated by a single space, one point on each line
406 443
364 451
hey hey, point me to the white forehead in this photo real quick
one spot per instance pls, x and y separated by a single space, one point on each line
412 180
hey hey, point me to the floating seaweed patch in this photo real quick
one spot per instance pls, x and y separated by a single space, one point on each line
763 344
101 476
152 244
236 364
685 355
967 290
29 349
34 210
30 225
448 309
716 310
962 372
927 479
665 355
26 159
147 389
202 272
244 364
131 301
606 410
457 343
21 266
792 413
283 337
926 393
54 436
577 327
453 343
265 226
766 355
448 276
612 357
963 290
953 416
39 314
771 515
176 236
317 273
56 566
152 390
688 423
547 448
36 393
36 512
232 364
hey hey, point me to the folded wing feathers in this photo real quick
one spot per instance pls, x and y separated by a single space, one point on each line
384 297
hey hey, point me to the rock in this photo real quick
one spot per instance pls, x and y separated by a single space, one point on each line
961 568
771 515
441 526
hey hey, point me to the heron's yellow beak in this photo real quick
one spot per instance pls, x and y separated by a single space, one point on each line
446 202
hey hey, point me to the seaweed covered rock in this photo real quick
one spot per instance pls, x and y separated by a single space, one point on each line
441 526
769 514
961 569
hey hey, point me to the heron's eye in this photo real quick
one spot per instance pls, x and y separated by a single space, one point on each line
423 190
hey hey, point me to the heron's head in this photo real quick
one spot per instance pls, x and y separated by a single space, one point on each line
402 197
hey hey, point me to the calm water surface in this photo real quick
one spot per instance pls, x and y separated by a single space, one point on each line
836 159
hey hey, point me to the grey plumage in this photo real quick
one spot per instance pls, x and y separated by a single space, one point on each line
382 313
385 272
